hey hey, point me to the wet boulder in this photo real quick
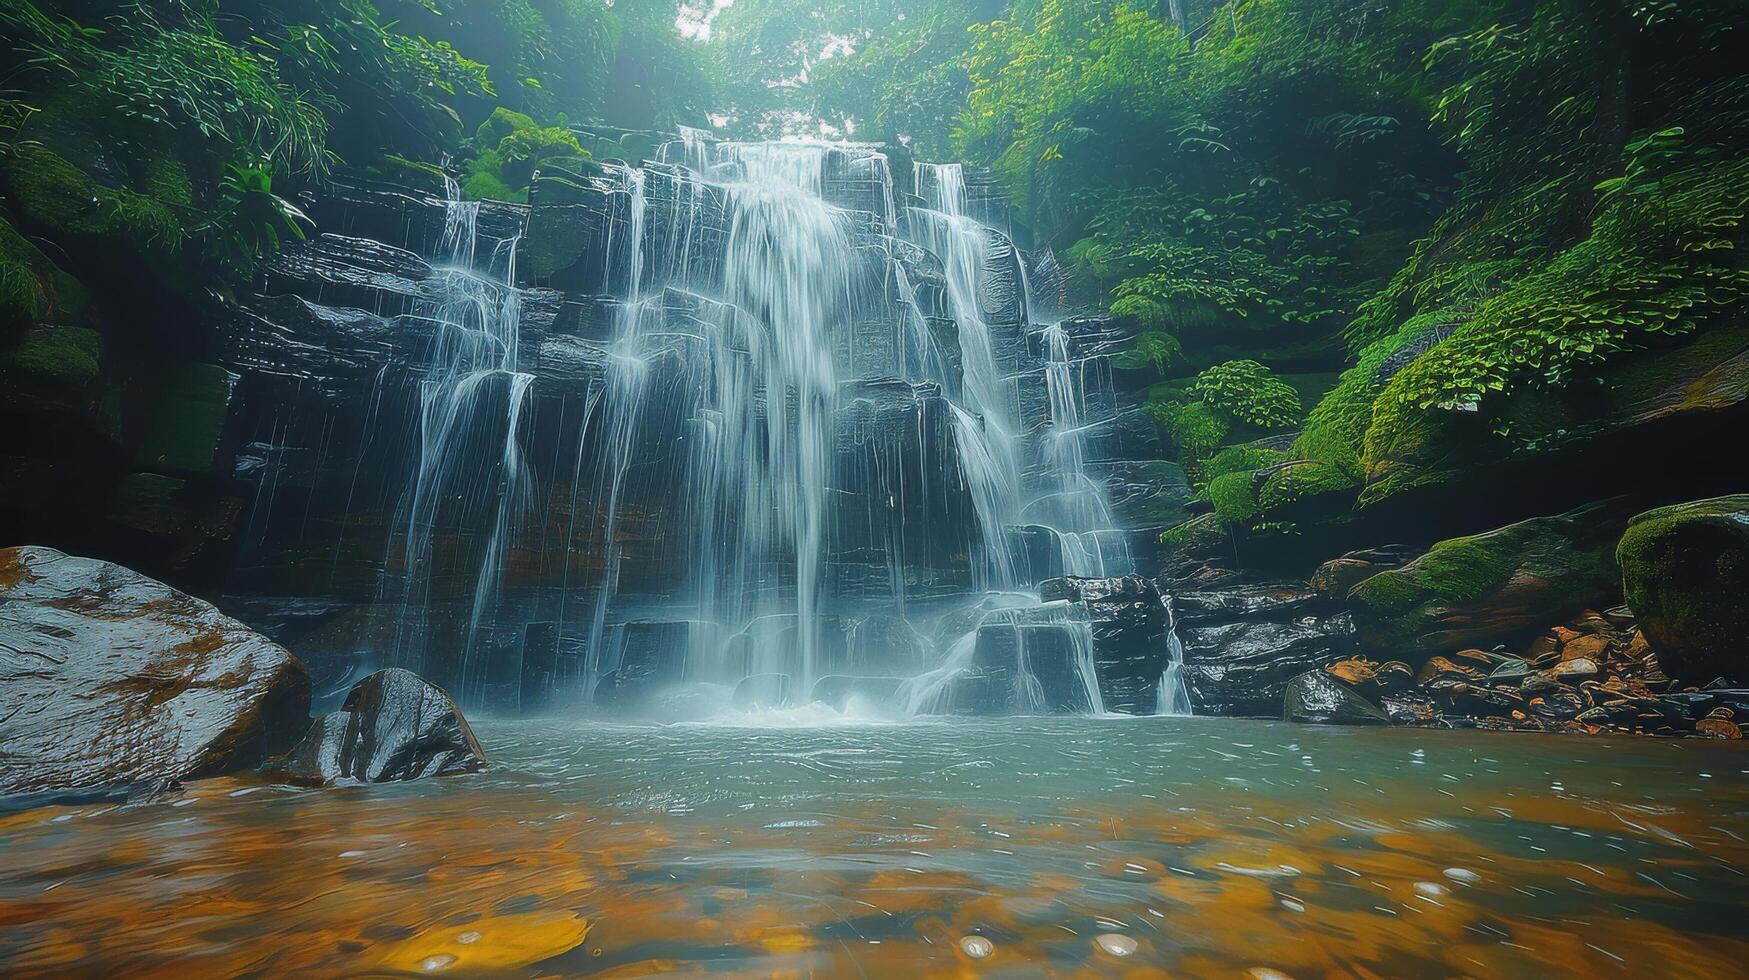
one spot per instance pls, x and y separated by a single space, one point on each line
1685 570
110 678
1243 644
393 726
1491 587
1319 698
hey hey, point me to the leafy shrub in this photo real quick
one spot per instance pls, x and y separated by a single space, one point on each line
1248 392
1152 348
248 222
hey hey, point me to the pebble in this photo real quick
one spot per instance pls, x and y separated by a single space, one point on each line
977 947
1265 973
1431 889
468 938
1116 945
1463 876
432 964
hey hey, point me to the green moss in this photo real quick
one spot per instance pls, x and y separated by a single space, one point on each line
20 292
488 186
1685 569
56 196
32 288
1491 584
412 173
1235 498
1300 480
62 356
1194 427
165 179
1247 457
500 124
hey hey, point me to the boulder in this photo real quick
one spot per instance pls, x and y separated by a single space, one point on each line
110 678
1316 697
1242 645
393 726
1491 587
1685 570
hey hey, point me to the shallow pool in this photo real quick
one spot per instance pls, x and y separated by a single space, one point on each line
1202 847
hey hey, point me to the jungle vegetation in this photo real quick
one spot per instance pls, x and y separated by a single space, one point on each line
1356 244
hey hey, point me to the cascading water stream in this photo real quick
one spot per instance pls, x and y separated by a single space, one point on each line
470 386
1173 697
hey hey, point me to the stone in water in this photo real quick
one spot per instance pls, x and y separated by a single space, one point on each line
977 947
1116 945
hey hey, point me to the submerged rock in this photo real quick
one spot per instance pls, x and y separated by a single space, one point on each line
1317 697
1685 570
110 678
393 726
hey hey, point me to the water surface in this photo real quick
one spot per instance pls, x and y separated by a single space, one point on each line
1205 847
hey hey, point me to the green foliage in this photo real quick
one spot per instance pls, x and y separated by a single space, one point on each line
1242 458
1574 242
512 146
61 199
1152 348
1235 498
58 354
185 76
1248 392
1195 428
248 222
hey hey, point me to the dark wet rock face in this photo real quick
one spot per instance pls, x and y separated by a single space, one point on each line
110 678
1317 697
1685 571
1242 645
393 726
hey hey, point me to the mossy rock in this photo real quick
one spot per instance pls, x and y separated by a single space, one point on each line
56 357
52 194
500 124
1235 497
188 418
1492 587
402 172
1304 480
1685 573
1195 549
33 289
567 228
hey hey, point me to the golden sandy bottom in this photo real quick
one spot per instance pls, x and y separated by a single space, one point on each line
239 879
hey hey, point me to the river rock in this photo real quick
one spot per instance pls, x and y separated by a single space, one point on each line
393 726
1242 645
111 678
1493 586
1319 698
1685 570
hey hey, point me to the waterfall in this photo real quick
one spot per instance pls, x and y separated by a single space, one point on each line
470 388
800 427
1083 516
1172 696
